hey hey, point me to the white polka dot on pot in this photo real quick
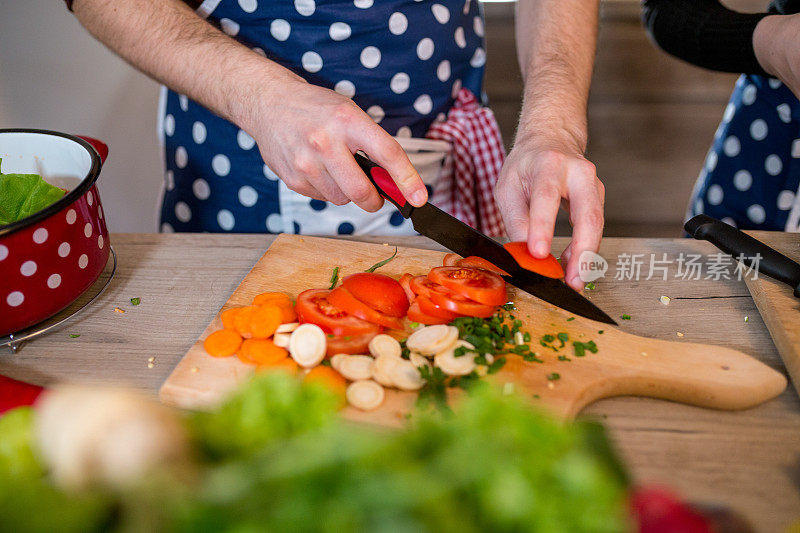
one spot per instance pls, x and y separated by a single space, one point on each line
730 109
229 26
247 196
312 62
87 229
28 268
785 200
280 29
742 180
83 261
339 31
181 157
183 212
400 83
425 48
756 214
773 165
440 13
3 252
63 249
758 129
54 281
221 165
71 216
370 57
729 221
199 132
305 7
100 242
225 219
201 189
731 146
398 23
244 140
345 88
259 51
15 298
40 235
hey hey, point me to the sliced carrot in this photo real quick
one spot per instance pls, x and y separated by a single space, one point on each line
287 364
222 343
269 297
227 317
329 378
241 320
243 357
287 310
262 351
264 320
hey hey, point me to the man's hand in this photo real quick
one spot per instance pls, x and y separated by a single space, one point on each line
308 135
777 47
532 185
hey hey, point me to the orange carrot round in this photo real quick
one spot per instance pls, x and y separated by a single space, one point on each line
222 343
264 320
287 364
227 317
262 351
329 378
287 310
241 320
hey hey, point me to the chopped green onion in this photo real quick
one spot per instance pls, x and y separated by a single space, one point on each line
554 376
626 317
74 335
136 301
379 264
590 286
334 277
570 319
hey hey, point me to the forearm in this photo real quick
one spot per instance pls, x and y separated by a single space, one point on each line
556 45
168 41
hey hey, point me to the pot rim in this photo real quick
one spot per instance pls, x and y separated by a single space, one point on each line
66 200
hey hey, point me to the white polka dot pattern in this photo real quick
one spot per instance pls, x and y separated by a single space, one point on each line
244 140
443 70
181 157
225 219
199 132
425 48
274 223
87 230
83 261
54 281
460 37
398 23
269 174
440 13
15 298
28 268
376 113
345 88
784 113
39 235
248 6
71 216
247 196
715 195
742 180
3 252
749 95
169 125
339 31
183 212
201 189
758 129
305 7
785 200
400 83
312 62
63 249
423 104
280 29
229 26
773 165
731 146
363 4
756 214
221 165
370 57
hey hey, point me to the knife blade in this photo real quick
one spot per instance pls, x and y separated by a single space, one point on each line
464 240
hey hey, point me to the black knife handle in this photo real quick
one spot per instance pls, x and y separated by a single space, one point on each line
385 185
734 242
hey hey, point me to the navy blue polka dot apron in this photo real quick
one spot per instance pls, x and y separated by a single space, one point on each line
402 61
752 173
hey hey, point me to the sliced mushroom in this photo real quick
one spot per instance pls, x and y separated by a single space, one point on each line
383 369
384 345
456 366
406 376
431 340
365 395
353 367
307 345
281 339
287 327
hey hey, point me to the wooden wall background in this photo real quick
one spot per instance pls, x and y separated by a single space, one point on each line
651 117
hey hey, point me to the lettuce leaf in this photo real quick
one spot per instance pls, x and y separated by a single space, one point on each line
22 195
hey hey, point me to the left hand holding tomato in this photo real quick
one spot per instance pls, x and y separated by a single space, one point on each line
533 183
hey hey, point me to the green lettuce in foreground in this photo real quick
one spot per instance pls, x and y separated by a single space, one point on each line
276 457
22 195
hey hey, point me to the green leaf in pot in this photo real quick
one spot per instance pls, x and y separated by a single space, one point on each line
22 195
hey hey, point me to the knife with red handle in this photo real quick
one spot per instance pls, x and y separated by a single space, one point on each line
464 240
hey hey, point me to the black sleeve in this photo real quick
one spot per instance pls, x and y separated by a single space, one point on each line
704 33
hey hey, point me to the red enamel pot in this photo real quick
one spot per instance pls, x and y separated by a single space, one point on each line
50 258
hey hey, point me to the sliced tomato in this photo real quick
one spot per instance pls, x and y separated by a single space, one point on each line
549 266
351 344
462 306
451 260
473 261
378 291
343 299
405 282
423 286
313 307
478 285
427 306
415 314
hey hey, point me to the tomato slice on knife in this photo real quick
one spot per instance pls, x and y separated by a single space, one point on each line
343 299
415 314
478 285
313 307
462 306
549 266
378 291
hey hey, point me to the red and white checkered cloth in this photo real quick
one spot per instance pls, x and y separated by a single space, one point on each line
476 158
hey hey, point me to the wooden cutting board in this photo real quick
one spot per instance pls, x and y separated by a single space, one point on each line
625 364
778 306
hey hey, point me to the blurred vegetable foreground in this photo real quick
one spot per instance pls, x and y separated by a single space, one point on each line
276 457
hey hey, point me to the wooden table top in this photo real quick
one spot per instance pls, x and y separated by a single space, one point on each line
748 460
